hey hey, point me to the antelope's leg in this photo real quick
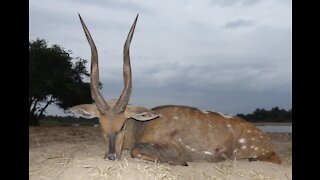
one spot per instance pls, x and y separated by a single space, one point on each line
167 153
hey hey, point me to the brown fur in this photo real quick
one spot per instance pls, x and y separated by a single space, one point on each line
185 134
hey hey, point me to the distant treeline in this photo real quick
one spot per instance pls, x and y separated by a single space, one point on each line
273 115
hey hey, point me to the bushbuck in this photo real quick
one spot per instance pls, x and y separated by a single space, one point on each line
171 133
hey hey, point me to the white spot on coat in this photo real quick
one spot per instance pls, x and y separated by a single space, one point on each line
210 125
253 139
248 131
256 148
235 150
254 156
206 112
188 147
252 146
229 125
242 140
244 147
207 152
175 117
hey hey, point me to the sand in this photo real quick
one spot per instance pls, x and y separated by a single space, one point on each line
77 153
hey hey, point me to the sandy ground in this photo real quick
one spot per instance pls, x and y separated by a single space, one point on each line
76 153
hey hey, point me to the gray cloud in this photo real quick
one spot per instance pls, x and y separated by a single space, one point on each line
119 5
183 52
206 85
235 2
239 23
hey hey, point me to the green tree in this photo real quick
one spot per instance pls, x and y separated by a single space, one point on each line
54 78
273 115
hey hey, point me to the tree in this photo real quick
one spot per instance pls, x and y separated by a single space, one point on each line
54 78
273 115
260 114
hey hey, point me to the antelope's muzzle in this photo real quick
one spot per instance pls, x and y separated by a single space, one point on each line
111 155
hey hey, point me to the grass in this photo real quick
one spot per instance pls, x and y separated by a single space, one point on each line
65 121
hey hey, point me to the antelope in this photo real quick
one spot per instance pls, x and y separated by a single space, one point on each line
172 134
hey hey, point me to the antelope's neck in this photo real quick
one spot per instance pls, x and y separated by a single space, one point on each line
134 129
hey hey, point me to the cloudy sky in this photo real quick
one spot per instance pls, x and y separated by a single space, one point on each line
231 56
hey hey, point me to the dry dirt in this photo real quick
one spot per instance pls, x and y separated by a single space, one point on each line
77 153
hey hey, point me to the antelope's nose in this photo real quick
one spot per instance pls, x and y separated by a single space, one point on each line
111 156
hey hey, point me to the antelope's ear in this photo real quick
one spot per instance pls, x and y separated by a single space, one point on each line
140 113
88 111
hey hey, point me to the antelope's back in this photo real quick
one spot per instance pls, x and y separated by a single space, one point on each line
204 135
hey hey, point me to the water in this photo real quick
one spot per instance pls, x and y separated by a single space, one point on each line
269 128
